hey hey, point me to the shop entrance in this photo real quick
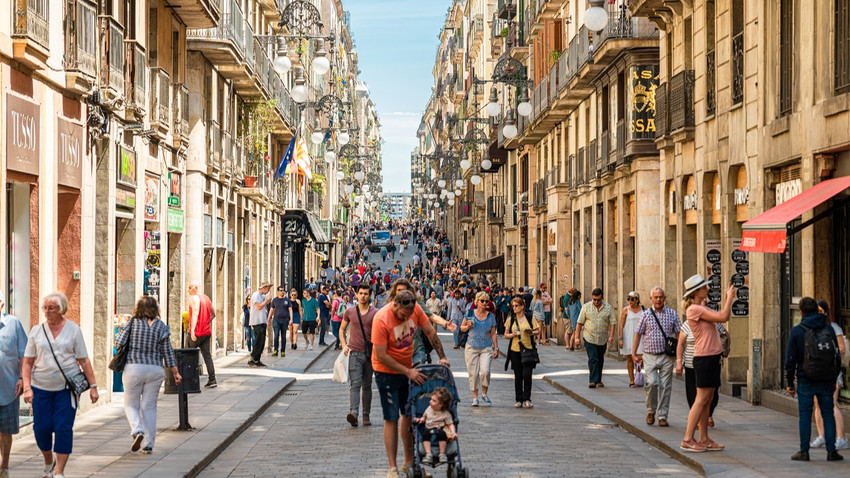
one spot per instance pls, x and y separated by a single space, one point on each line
18 260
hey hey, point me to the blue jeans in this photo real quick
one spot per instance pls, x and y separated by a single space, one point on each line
279 338
323 329
457 332
335 330
249 337
596 360
53 416
806 391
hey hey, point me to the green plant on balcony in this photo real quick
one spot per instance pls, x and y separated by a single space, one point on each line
504 32
256 124
554 56
318 184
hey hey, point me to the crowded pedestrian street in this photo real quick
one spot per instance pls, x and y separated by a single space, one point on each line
408 239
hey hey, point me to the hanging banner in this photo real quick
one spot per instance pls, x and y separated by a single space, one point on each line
152 264
713 258
151 198
741 280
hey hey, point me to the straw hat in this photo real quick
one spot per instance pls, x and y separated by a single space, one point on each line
694 283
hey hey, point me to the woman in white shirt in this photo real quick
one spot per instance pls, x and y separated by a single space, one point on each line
53 406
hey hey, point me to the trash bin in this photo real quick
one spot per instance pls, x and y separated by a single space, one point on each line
187 364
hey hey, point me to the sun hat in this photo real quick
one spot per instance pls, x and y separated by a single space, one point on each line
265 284
694 283
634 294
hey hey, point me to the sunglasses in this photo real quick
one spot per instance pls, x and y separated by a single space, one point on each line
406 303
630 299
597 300
516 305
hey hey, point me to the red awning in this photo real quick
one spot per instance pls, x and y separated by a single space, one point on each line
767 232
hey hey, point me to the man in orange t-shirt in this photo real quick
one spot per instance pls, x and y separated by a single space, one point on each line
392 338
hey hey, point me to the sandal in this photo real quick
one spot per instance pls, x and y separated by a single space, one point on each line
632 385
692 446
710 422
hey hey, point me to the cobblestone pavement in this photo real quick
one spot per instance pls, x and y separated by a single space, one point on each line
305 434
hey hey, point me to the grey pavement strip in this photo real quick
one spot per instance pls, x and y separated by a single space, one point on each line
759 441
101 435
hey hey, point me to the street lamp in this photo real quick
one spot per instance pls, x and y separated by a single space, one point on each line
441 183
595 17
320 63
299 92
524 106
493 108
340 175
282 63
359 175
510 130
465 164
475 179
330 156
459 183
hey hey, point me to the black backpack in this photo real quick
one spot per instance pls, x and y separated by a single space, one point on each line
821 362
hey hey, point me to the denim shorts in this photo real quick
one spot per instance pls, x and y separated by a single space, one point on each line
393 389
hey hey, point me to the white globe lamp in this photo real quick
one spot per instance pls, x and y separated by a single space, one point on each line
366 188
343 138
475 180
459 183
282 64
595 17
330 156
465 164
509 131
524 108
299 93
321 65
486 164
441 183
317 137
451 202
359 175
340 175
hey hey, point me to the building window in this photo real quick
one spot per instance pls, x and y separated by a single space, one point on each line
786 54
737 51
842 46
710 89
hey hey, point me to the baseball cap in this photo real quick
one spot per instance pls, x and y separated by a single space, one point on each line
542 284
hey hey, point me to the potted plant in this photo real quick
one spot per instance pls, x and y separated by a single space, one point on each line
256 124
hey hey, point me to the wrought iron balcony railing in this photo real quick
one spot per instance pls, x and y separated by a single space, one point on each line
160 98
135 78
681 97
81 38
112 67
31 21
180 112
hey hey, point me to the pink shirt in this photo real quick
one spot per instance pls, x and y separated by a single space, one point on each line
706 337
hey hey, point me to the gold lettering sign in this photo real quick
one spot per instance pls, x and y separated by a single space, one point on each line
23 141
69 144
642 87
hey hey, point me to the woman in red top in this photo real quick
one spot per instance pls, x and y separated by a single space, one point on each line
707 359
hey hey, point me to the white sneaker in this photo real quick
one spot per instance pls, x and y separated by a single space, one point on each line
818 442
310 347
48 469
841 444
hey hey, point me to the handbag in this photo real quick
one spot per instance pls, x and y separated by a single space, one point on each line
119 360
77 383
726 342
527 356
670 343
639 380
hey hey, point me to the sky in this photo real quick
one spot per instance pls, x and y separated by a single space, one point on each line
396 47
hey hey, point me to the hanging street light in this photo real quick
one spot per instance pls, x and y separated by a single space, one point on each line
320 63
595 17
299 92
510 130
493 108
282 63
524 106
330 156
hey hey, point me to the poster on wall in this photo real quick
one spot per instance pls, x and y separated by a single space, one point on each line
152 264
741 280
713 258
553 236
151 198
119 322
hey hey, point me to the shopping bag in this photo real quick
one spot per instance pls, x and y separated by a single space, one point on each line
341 368
639 381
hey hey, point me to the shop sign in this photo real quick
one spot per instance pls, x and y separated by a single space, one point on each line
174 220
293 226
126 167
287 260
69 142
787 190
553 236
713 257
124 198
175 182
151 198
152 264
642 87
741 280
23 142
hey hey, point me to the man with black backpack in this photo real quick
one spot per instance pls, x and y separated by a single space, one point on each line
812 358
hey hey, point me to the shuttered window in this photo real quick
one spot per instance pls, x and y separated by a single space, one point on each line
842 46
786 55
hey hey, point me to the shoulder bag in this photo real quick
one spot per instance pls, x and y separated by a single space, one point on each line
77 383
119 360
528 356
670 343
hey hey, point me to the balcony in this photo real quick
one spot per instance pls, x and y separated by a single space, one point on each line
594 162
476 34
662 112
112 60
314 201
710 84
466 211
506 9
511 216
197 13
31 31
180 114
582 174
517 38
228 153
160 101
738 68
213 147
222 45
539 196
553 177
81 46
622 31
681 97
605 156
495 210
134 79
498 32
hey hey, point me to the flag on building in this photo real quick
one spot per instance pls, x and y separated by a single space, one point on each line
286 159
302 159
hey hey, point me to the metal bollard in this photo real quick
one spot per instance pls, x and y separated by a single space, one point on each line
187 364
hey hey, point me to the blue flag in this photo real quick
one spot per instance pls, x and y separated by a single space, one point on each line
287 158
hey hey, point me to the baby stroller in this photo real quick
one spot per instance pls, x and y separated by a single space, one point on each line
418 401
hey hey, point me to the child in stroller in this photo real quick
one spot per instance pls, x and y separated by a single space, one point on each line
419 401
439 424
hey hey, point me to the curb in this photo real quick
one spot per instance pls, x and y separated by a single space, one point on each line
214 453
634 430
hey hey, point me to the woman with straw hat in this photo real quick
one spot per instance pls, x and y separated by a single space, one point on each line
708 352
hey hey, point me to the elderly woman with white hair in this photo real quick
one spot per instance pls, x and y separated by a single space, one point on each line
55 354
